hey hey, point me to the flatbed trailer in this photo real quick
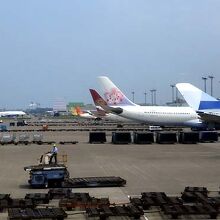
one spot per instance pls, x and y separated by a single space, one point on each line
104 181
57 176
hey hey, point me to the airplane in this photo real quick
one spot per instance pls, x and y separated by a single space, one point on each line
98 101
84 114
12 113
119 104
206 106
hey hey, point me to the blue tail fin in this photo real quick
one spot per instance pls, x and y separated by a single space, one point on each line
196 98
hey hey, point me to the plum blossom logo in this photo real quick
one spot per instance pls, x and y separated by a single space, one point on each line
114 97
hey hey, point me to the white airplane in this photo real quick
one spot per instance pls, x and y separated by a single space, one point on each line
119 104
12 113
206 106
84 114
98 101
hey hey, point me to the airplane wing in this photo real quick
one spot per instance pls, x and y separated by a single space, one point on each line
209 116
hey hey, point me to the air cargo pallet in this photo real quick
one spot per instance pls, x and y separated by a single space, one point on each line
109 181
16 203
194 201
83 201
38 213
68 142
22 142
51 142
188 137
166 138
143 137
208 136
97 137
125 211
38 198
177 210
121 137
59 193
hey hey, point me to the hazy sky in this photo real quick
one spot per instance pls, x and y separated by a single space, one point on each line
51 49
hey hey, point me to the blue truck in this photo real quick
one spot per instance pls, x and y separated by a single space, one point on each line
47 175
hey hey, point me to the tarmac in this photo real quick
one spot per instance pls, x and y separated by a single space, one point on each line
146 168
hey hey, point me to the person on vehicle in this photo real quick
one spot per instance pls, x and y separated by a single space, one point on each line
54 152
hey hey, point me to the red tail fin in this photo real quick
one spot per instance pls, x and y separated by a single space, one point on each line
98 100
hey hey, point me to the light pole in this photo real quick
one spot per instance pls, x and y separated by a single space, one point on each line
204 78
172 92
152 97
155 102
133 96
211 77
145 98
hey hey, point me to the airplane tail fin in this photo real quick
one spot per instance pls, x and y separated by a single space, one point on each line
99 102
196 98
97 99
113 95
73 111
78 110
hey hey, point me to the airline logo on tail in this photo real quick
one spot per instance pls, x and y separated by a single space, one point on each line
196 98
113 96
99 101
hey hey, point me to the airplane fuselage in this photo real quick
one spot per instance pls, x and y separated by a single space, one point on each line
162 115
116 118
12 113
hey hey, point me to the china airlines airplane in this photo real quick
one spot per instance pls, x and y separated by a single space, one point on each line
119 104
206 106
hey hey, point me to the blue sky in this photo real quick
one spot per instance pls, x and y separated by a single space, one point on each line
56 49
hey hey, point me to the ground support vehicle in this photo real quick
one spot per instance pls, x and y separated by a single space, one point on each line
57 175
